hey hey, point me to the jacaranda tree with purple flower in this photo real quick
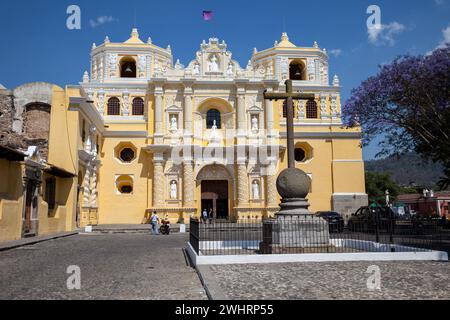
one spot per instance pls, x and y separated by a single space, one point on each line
408 103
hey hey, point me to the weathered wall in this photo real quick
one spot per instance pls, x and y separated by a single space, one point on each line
32 109
7 111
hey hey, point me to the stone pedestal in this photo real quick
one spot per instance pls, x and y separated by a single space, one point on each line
294 225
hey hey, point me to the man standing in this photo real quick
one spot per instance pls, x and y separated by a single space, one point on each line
205 216
154 220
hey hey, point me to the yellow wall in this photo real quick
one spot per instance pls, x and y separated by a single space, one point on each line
11 200
115 208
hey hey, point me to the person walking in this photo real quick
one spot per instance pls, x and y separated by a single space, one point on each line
211 216
154 221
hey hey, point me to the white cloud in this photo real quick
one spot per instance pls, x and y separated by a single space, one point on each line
446 34
445 40
336 52
101 20
439 2
383 34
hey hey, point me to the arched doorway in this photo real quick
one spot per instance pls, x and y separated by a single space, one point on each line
216 185
215 199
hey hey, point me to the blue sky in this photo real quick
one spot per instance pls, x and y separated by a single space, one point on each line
37 46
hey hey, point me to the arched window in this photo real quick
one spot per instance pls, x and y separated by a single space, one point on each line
128 68
311 110
114 107
211 116
138 107
285 110
297 71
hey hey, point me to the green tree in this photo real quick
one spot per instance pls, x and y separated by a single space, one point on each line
376 186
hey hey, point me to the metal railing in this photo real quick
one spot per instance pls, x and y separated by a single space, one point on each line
312 234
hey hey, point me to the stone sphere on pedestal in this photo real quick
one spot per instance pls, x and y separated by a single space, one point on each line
293 183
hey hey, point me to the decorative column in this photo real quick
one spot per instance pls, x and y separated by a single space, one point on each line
101 102
158 116
242 124
334 109
126 103
93 187
242 185
158 182
87 186
188 184
269 114
188 114
301 109
323 106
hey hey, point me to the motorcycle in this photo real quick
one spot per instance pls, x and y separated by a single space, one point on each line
165 227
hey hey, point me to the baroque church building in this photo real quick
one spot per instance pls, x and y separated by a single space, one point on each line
141 133
181 139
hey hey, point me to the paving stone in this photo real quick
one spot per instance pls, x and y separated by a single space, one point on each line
330 281
134 266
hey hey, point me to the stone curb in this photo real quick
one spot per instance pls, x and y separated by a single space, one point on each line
212 289
30 241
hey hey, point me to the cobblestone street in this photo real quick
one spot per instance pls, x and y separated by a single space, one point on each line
328 281
112 267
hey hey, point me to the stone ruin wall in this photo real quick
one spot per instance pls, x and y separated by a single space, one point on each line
25 117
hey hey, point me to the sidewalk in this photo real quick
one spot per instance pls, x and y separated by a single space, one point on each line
132 228
30 241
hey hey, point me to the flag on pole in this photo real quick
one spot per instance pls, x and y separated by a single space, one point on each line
207 15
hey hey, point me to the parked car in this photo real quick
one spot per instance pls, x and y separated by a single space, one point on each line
334 219
371 219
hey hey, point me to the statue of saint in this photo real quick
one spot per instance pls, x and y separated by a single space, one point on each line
173 190
213 65
196 69
256 194
230 69
174 124
255 124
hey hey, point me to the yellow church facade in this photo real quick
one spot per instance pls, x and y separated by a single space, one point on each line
142 133
182 139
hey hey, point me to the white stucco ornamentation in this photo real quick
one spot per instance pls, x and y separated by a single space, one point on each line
334 106
142 65
112 64
284 65
323 105
101 102
126 103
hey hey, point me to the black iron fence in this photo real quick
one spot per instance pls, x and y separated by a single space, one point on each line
312 234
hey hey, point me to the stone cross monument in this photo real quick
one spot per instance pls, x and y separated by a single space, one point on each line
293 184
295 226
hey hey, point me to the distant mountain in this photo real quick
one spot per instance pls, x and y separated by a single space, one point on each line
408 170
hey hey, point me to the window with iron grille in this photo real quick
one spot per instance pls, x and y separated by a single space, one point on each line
211 116
114 107
50 194
138 107
311 110
285 110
